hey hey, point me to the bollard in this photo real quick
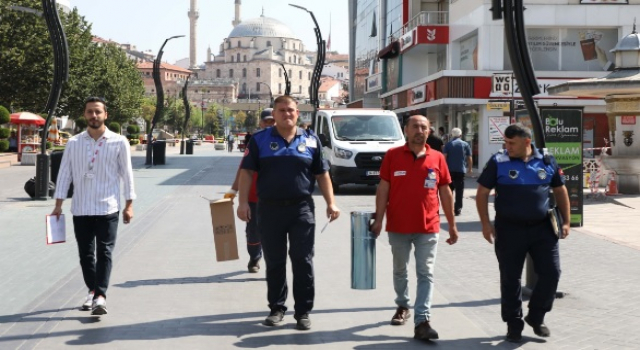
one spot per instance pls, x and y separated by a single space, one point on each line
363 251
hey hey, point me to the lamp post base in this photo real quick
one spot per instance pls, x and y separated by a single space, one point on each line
42 177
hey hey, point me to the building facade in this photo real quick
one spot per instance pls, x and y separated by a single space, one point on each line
448 60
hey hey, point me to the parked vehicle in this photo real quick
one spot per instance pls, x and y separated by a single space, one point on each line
355 141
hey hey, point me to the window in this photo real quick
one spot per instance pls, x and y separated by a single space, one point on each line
300 75
300 89
217 73
289 59
268 43
294 46
230 73
290 75
231 59
239 43
257 72
244 88
325 127
238 57
279 88
257 86
309 74
245 58
280 72
244 72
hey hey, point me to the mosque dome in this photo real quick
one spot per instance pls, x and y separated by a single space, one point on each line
262 26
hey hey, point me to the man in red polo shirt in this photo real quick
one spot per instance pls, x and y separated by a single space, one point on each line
411 179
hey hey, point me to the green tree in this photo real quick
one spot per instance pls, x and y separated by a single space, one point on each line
27 66
251 122
240 118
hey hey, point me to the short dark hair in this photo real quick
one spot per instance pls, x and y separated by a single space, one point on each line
441 129
284 99
517 130
96 99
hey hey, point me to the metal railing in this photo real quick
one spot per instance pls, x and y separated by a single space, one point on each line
422 19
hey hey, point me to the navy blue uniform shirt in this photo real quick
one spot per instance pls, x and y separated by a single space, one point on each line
285 170
522 189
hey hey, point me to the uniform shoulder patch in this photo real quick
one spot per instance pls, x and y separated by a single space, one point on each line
502 157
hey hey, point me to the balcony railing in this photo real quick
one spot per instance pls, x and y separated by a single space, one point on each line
422 19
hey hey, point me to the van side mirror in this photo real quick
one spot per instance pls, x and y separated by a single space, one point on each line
325 140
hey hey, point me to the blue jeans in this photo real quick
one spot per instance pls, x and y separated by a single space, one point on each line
425 253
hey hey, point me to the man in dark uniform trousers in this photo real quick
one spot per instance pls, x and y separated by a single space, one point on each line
288 160
522 177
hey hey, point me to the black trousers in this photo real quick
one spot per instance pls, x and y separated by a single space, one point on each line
297 223
254 247
513 242
96 237
457 186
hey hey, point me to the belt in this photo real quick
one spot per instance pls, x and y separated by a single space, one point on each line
284 202
523 222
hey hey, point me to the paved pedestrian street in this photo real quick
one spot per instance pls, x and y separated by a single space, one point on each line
167 290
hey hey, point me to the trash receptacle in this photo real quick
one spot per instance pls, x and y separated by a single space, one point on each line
56 160
159 152
363 251
189 147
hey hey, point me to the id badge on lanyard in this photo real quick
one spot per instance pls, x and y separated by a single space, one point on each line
430 181
92 156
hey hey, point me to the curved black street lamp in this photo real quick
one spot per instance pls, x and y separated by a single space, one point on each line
187 112
315 79
159 97
60 75
270 94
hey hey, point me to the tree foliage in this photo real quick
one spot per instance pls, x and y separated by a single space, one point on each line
26 72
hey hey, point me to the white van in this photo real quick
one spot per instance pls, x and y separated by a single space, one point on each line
354 142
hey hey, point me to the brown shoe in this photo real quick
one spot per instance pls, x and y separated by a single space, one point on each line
425 332
401 316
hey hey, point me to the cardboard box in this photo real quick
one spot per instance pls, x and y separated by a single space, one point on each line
224 229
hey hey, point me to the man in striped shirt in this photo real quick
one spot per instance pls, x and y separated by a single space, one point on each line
95 161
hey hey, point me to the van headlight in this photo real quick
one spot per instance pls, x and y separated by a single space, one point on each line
342 153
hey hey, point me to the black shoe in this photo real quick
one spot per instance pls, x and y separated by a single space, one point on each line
424 332
514 336
274 318
539 329
304 323
253 266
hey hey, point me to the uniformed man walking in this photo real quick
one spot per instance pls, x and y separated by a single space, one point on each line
522 177
288 160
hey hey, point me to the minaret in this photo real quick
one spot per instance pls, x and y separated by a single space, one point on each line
193 34
237 21
208 54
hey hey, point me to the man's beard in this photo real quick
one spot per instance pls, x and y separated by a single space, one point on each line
98 126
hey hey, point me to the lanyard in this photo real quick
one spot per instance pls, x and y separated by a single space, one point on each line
93 155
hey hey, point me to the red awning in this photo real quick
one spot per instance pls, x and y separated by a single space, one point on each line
390 51
27 118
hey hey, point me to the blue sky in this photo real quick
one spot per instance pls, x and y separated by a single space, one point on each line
146 23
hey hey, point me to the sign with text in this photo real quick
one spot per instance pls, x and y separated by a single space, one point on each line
406 41
373 83
497 125
563 135
604 2
628 120
502 84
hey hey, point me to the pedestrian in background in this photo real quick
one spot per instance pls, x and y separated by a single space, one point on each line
254 247
230 140
459 160
13 142
522 177
288 161
96 160
412 177
443 135
434 141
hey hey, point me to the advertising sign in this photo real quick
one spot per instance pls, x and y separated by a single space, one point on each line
501 84
563 135
419 94
406 41
600 2
497 125
373 83
570 49
469 53
628 120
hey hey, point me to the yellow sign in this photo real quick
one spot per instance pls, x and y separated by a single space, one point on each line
498 106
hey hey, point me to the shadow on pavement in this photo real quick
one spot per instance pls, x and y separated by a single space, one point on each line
223 278
470 343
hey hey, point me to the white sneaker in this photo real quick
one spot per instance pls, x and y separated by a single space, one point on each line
88 302
99 306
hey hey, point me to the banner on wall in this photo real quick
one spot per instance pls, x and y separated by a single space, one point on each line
469 53
563 135
604 2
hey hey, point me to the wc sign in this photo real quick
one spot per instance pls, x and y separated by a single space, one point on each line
502 84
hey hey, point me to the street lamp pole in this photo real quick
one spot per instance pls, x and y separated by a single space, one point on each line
159 97
270 94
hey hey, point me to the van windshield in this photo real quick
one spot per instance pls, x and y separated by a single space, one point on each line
366 128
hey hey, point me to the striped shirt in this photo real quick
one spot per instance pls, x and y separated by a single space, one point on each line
95 168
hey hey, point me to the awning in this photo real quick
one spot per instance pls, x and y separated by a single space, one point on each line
390 51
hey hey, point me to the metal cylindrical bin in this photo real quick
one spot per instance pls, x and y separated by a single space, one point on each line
189 147
363 251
